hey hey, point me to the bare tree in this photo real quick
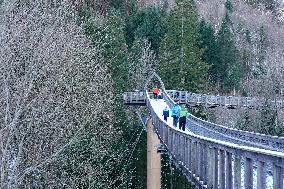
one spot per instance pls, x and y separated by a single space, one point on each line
53 84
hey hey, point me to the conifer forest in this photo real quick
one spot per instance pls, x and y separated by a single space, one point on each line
64 65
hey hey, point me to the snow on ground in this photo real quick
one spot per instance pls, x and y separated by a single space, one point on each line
158 106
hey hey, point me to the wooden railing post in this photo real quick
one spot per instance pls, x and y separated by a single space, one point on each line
222 169
261 176
193 159
210 169
178 147
174 141
215 168
186 152
170 133
189 143
237 172
161 130
205 163
183 158
181 148
200 161
277 177
248 173
165 135
229 171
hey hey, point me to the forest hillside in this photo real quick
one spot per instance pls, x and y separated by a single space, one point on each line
64 66
258 27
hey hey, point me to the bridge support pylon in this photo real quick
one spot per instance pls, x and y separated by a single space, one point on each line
153 158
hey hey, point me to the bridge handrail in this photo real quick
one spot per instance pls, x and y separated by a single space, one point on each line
218 142
238 133
193 152
229 101
271 141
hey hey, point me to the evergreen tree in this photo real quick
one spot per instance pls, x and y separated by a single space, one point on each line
229 71
132 22
210 55
148 23
115 49
153 27
229 6
118 4
269 123
172 176
181 63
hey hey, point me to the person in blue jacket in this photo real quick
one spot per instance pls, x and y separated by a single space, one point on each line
175 114
166 113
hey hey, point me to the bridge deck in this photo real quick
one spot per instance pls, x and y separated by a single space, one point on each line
158 106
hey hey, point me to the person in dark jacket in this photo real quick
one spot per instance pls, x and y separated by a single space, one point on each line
166 113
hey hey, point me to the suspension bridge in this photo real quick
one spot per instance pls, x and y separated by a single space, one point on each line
209 155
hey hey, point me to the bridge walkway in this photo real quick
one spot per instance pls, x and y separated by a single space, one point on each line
158 106
211 162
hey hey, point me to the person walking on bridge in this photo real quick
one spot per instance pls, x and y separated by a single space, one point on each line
166 113
155 92
182 118
175 113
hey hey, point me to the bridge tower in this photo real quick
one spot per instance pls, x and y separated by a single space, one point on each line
153 158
